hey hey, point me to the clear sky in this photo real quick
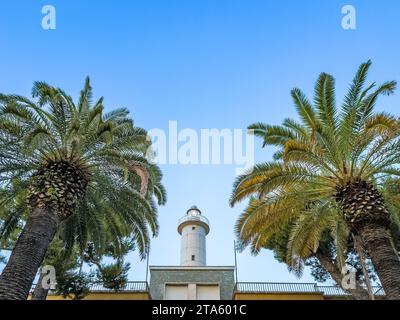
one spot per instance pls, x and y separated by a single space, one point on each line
206 64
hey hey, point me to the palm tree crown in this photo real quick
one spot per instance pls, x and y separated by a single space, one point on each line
331 161
82 166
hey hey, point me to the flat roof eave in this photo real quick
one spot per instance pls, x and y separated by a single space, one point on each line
191 267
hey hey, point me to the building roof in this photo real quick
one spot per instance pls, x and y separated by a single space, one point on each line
192 267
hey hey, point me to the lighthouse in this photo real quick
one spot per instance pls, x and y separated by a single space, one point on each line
193 228
192 279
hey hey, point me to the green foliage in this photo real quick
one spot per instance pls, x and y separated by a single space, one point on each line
113 276
317 270
278 243
74 285
13 211
293 198
61 259
123 188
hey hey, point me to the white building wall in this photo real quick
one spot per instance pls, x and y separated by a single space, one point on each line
193 245
192 291
176 292
207 292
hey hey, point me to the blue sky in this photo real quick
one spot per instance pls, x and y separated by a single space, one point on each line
206 64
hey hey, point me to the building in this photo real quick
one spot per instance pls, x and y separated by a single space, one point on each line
194 280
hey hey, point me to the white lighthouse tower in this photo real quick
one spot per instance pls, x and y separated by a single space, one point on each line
192 279
193 229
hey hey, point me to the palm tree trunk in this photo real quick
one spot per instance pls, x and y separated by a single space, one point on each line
40 293
358 293
28 254
384 258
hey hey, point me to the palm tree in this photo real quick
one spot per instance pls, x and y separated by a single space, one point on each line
62 260
335 157
73 156
324 235
74 235
117 241
319 234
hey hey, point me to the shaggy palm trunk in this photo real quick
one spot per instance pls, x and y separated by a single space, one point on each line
358 293
40 293
367 216
55 190
28 254
384 258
